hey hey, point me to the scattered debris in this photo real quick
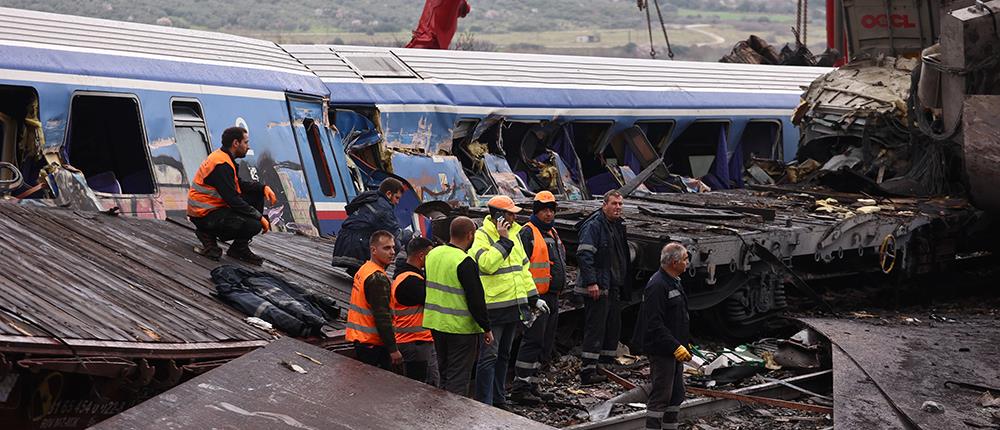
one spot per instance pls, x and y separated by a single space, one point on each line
259 323
932 407
988 401
309 358
294 367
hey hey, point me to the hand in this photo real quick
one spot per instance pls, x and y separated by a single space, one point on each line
488 337
396 357
270 196
542 306
502 226
265 225
682 354
594 291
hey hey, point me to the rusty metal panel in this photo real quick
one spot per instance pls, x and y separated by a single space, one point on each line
130 286
259 391
981 122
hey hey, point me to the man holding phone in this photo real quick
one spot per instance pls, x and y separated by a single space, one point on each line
503 269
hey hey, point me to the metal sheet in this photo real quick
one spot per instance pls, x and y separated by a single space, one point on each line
132 286
257 391
911 364
981 123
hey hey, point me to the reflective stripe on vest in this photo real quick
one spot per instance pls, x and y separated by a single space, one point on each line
360 319
408 321
204 198
445 308
541 264
508 283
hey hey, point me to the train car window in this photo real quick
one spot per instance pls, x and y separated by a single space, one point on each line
694 150
587 139
19 137
191 136
657 132
108 144
762 139
319 158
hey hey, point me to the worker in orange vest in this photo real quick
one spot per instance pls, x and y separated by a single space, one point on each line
223 207
547 258
369 317
409 290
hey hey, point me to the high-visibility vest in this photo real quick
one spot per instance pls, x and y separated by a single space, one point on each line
408 321
360 319
204 198
541 263
445 308
506 281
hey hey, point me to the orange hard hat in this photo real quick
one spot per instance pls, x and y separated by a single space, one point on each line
545 197
503 203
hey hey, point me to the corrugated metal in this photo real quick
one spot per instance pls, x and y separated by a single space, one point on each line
72 32
93 277
571 71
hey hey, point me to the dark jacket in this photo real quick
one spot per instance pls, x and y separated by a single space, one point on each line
221 178
557 255
663 323
289 307
602 254
367 213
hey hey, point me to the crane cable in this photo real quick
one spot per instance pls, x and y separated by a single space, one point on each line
644 4
801 22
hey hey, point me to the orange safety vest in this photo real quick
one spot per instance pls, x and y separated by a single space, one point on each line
408 321
541 264
360 319
204 198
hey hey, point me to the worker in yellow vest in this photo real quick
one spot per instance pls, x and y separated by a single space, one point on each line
369 317
409 291
547 264
223 207
503 269
455 308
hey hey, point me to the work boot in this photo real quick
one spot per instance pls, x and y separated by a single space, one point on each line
544 395
524 397
240 250
209 247
592 377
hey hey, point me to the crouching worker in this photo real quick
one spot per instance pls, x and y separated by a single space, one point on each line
224 207
661 333
369 318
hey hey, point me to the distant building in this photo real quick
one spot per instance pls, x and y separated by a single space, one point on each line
592 38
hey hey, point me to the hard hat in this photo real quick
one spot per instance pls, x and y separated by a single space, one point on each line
503 203
545 197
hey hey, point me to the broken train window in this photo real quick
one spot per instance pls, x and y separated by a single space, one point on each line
693 153
107 143
547 160
22 140
479 146
657 132
761 139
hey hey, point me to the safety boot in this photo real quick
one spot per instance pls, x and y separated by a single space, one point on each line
209 246
240 250
591 377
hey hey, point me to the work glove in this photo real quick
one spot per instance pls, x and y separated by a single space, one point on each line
542 306
682 354
265 225
270 196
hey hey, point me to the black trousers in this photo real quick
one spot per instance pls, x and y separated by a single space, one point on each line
666 393
456 354
375 355
601 330
534 343
225 224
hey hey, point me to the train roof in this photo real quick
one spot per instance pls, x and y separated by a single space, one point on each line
394 75
67 44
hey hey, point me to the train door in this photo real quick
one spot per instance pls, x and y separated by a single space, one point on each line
324 175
